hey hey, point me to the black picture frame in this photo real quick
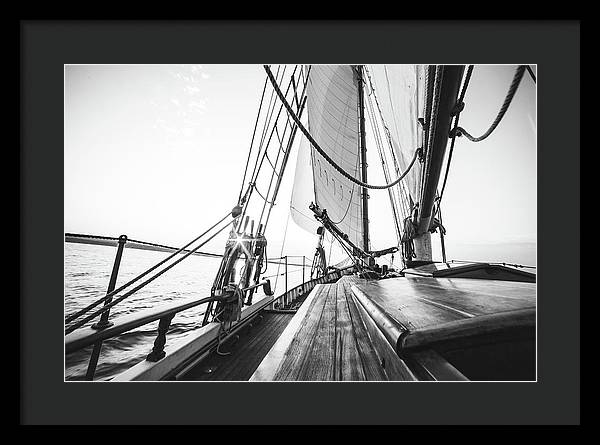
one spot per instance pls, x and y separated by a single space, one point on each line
45 46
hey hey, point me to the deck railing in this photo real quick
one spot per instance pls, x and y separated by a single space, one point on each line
292 296
105 329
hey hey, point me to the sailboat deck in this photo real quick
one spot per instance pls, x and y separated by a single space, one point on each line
327 342
333 338
239 359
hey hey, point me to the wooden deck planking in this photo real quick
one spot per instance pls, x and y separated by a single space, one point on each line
320 353
296 352
247 352
332 342
246 356
348 359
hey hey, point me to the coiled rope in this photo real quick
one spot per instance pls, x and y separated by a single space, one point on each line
459 131
322 152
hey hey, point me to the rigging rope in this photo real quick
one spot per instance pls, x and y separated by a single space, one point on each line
282 247
459 131
293 131
384 164
129 283
437 223
322 152
253 185
330 246
257 166
402 193
266 125
252 140
407 243
107 306
530 71
457 110
266 144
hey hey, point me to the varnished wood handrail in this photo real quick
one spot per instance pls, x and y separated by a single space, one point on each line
516 322
81 338
391 328
86 336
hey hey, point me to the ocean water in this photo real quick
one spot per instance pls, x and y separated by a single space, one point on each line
87 271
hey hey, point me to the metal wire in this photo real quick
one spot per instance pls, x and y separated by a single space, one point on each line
106 307
262 97
129 283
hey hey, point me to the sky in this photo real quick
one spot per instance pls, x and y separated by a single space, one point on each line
157 152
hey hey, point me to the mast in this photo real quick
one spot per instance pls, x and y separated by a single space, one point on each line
450 79
363 156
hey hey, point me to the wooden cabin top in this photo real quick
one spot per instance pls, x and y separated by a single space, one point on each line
486 271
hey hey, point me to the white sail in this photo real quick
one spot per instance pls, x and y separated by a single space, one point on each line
304 191
332 110
400 91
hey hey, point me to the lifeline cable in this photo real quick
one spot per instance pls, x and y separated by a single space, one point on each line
107 306
129 283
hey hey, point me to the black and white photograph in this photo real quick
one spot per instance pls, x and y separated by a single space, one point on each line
300 222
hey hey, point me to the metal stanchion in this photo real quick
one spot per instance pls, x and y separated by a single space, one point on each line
104 323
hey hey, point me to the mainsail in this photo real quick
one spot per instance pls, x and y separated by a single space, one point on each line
398 92
400 95
332 109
